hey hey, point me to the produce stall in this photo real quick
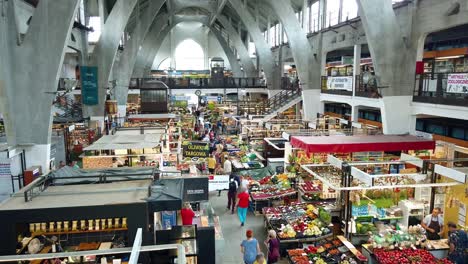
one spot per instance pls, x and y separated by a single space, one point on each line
123 151
363 191
298 223
338 250
402 255
269 190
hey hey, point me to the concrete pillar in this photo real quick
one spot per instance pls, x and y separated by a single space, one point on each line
235 67
263 49
268 32
150 46
396 112
356 65
28 78
105 52
123 69
172 41
323 13
354 113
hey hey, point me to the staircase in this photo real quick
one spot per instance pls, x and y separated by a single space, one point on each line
69 110
280 102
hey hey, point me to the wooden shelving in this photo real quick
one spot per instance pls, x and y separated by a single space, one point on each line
78 232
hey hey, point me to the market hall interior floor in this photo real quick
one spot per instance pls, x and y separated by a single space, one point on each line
228 249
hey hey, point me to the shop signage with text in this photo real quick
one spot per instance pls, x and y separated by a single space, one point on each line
340 83
218 182
197 149
457 83
89 85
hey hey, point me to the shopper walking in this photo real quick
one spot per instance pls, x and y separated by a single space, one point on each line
212 163
458 242
242 205
227 165
250 248
232 192
273 245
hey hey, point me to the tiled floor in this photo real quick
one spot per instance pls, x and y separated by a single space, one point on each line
228 249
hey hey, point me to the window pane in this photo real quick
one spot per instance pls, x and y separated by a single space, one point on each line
419 125
435 129
333 7
350 10
315 17
458 133
252 51
95 23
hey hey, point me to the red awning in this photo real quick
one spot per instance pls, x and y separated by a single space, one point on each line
347 144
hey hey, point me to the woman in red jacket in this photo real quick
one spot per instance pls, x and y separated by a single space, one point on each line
187 214
242 205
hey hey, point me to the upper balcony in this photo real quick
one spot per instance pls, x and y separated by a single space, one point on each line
442 88
344 85
203 83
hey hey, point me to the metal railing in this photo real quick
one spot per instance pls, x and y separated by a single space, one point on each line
280 99
203 83
432 88
361 89
134 251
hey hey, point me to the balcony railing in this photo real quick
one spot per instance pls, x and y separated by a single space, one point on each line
345 86
203 83
432 89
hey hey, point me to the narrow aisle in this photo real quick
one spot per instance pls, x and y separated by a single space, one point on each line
228 249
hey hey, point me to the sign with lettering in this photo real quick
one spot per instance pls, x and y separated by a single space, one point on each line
89 85
199 149
457 83
218 182
195 189
340 83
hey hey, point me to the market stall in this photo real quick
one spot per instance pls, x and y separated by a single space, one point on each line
125 150
382 195
298 223
73 218
337 250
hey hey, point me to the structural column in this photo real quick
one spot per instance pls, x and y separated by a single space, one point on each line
356 66
31 63
104 55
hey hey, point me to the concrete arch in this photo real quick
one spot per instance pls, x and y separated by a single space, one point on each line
263 49
161 35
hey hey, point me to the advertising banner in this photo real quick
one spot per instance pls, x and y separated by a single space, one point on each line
457 83
199 149
218 182
340 83
89 85
216 99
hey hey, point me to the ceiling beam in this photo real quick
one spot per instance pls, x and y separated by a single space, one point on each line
218 11
170 11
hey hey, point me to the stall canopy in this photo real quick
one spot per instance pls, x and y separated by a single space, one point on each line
147 117
346 144
70 175
113 142
166 195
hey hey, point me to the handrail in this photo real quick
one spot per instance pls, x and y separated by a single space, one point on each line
134 252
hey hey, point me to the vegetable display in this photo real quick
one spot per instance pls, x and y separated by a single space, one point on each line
412 256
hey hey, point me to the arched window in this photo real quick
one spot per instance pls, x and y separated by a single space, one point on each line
165 64
189 56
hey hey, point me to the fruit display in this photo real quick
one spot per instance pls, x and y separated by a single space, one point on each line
407 256
324 251
296 221
311 187
365 228
266 192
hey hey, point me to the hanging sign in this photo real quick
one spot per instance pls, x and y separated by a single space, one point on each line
457 83
340 83
195 189
89 85
199 149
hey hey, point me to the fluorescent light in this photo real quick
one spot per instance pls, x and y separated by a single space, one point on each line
450 57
